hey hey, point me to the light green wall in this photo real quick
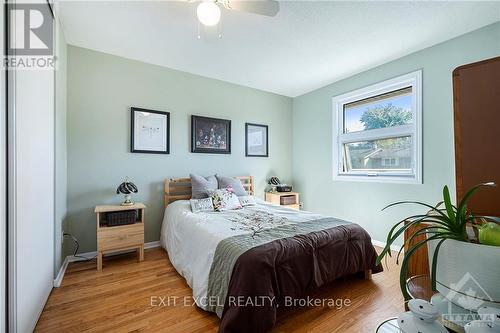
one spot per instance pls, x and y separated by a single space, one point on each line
60 145
362 202
101 90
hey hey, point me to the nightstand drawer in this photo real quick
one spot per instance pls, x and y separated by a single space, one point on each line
120 237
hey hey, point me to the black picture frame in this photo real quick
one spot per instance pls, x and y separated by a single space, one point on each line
247 149
133 148
200 126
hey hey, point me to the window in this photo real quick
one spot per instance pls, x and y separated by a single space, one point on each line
377 132
389 162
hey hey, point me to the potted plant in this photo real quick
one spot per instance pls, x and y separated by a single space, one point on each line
446 233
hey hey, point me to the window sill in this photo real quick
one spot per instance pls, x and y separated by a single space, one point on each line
377 179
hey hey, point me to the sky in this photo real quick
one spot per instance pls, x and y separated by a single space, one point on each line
353 115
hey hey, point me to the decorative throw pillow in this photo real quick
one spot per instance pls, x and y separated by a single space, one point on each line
235 184
201 205
201 185
224 200
247 200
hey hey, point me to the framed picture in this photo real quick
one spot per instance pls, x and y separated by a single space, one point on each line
256 140
210 135
150 131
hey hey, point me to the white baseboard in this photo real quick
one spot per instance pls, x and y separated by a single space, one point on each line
60 275
383 244
152 245
90 255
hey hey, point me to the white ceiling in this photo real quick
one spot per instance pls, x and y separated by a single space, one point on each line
309 44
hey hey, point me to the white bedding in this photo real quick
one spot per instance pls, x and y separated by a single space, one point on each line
191 238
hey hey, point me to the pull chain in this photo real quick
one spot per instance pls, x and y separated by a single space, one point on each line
219 29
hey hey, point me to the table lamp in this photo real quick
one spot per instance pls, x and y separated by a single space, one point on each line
127 188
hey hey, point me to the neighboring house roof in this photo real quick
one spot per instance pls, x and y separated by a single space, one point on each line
360 152
389 153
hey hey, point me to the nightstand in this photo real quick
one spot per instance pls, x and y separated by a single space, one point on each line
119 237
285 199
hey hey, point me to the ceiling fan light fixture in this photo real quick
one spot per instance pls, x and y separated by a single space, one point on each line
208 13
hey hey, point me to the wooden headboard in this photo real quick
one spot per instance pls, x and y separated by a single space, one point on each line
180 188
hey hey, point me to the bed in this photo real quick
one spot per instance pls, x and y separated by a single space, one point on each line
243 264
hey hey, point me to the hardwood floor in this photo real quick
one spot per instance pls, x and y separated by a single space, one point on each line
119 299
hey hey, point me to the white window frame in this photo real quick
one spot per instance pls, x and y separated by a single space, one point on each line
414 130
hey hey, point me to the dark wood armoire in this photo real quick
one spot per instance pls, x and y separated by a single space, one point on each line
476 103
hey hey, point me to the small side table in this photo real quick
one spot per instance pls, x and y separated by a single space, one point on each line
122 237
285 199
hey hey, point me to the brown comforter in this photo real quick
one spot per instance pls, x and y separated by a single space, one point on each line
265 276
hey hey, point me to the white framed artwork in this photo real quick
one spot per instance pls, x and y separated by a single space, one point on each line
150 131
256 140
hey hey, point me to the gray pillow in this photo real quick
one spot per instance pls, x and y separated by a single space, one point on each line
200 185
238 189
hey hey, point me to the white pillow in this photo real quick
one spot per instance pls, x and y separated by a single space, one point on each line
247 200
201 205
224 200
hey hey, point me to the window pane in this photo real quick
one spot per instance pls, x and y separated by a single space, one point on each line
386 110
394 154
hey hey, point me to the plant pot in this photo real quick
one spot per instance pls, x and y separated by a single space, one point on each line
468 274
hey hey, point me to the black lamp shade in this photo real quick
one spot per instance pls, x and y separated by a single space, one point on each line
126 188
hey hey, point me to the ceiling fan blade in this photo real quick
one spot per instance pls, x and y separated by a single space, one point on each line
261 7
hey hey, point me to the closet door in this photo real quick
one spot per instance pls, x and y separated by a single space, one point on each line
34 194
31 190
476 90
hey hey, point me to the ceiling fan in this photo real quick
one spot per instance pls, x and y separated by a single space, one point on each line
209 13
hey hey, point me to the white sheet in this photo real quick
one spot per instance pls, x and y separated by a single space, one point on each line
191 238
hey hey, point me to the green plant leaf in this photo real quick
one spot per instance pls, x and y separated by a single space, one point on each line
394 235
389 235
440 233
417 203
462 206
425 231
388 243
443 221
462 219
423 219
448 204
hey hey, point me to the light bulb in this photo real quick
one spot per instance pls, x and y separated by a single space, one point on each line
208 13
